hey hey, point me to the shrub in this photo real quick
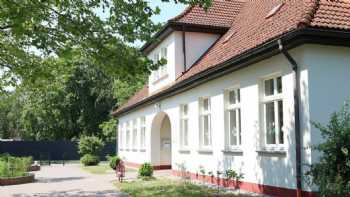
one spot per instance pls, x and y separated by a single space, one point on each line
14 166
90 145
113 161
332 172
90 160
146 170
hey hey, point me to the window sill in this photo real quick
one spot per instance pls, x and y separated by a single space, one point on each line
205 151
160 79
233 151
272 151
184 150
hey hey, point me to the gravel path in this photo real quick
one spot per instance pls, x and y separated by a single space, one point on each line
64 181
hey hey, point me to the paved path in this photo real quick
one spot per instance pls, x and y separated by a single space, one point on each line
64 181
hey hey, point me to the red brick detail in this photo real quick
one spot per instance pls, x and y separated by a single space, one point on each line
158 167
17 180
250 187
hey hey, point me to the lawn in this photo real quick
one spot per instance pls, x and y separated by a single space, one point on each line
169 188
102 168
99 169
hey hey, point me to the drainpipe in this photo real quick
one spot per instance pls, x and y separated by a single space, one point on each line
184 47
296 116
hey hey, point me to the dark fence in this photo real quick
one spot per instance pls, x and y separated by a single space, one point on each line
50 150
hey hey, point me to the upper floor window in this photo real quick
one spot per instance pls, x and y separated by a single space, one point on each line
205 123
233 117
184 126
127 134
162 70
273 111
120 134
142 132
134 134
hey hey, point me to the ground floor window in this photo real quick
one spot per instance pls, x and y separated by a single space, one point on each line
142 133
205 122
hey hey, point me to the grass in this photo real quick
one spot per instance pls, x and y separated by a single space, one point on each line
169 188
99 169
102 168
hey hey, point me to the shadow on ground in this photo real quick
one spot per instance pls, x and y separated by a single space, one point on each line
75 193
57 180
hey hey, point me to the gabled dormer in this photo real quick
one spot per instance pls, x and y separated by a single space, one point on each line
185 39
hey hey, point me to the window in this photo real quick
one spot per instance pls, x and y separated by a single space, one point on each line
127 135
184 126
205 123
143 132
134 134
233 118
273 111
120 132
162 70
164 56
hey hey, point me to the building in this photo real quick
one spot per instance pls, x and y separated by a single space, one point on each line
241 85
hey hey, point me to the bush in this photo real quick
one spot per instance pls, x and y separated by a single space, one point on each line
90 160
14 166
146 170
332 172
90 145
113 161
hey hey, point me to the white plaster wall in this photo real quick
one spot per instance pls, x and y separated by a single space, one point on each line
169 43
329 84
324 86
196 45
269 170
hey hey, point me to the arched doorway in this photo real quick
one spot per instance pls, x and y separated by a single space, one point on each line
161 142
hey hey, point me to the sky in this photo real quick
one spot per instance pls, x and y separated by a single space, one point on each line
168 10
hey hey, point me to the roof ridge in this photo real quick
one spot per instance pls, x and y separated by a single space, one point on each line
182 14
310 14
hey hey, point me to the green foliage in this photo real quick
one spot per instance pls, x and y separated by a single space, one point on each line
109 130
90 160
332 172
14 166
146 170
233 175
202 170
90 145
113 161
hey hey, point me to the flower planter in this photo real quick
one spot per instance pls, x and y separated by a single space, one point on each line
17 180
34 168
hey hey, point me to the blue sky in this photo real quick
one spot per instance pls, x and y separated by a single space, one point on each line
168 10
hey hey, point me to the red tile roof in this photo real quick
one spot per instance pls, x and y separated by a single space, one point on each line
332 14
251 27
220 14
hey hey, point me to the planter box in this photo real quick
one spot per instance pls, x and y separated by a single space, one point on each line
34 168
17 180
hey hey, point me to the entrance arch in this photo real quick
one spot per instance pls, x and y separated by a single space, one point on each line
161 141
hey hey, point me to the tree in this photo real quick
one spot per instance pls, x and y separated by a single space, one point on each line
33 30
332 172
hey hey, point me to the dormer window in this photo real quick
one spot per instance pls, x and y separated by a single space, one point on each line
162 71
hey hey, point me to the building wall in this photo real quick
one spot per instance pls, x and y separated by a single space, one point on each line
196 45
259 167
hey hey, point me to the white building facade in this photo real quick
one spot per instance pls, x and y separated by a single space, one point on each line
242 119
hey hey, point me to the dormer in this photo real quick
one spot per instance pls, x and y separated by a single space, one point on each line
185 39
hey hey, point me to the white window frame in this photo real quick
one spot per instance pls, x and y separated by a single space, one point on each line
120 134
142 133
184 117
162 71
134 134
274 98
202 114
127 135
236 107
